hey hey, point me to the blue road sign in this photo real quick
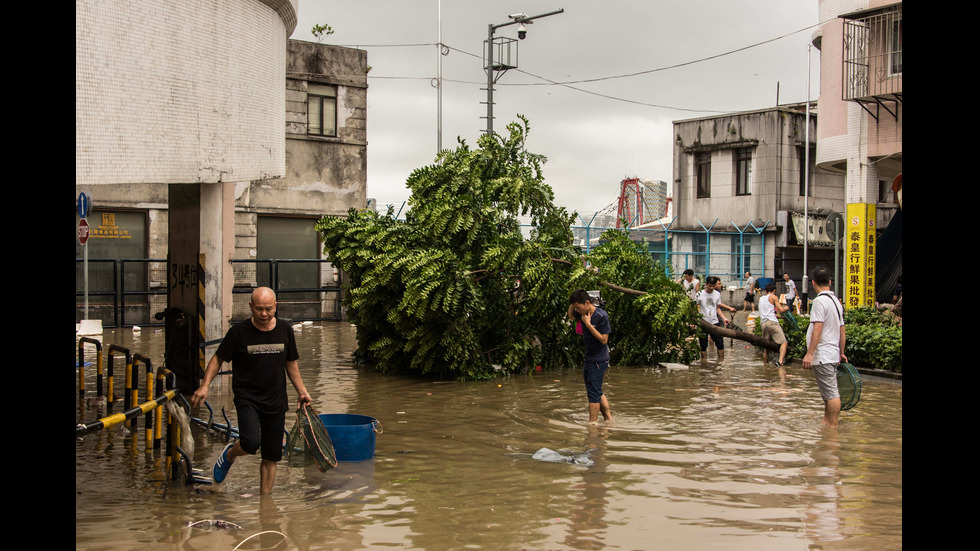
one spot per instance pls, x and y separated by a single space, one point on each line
84 204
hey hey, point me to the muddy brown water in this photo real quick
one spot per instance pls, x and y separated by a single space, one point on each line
717 456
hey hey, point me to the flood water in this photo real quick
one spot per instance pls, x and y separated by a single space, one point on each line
725 456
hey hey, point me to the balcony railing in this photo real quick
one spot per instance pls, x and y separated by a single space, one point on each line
873 55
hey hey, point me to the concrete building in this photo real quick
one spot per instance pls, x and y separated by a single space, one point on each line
204 136
738 195
325 146
860 133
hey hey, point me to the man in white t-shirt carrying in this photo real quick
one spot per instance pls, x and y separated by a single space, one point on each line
790 291
710 306
825 344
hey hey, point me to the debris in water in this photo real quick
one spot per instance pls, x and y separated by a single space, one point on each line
551 456
216 523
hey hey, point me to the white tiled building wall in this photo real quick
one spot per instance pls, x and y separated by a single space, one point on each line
180 92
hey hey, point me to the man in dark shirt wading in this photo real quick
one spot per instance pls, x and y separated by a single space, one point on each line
262 352
595 331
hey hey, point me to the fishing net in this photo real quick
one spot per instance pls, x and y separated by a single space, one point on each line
848 385
310 439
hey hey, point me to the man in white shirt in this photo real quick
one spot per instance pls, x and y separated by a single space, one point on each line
749 292
825 344
790 291
709 305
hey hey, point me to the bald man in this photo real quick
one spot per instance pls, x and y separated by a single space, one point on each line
262 352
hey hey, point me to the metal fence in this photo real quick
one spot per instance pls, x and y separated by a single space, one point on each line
128 292
709 251
727 254
306 290
121 292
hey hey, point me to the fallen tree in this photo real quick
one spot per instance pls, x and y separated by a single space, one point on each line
768 344
458 290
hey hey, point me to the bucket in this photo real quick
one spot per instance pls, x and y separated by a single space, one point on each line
352 435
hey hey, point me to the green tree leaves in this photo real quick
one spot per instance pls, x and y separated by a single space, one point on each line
457 291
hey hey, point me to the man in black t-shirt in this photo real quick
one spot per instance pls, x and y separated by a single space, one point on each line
595 332
262 352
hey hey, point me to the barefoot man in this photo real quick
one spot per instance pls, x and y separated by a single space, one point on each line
595 332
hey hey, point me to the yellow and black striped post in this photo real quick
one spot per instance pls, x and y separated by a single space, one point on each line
112 351
201 278
148 420
81 366
162 374
112 420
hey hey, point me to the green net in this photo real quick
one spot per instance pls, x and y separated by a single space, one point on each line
309 440
848 385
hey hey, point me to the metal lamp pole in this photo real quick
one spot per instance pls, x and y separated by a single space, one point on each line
518 19
806 185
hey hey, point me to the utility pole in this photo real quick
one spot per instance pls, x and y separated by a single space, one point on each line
496 70
806 188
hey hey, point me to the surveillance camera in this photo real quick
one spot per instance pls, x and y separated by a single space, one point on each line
517 16
521 31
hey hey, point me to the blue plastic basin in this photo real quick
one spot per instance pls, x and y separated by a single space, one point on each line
353 436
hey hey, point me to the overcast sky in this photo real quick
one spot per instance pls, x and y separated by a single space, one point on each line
695 58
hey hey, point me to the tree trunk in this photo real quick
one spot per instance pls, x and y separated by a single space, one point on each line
712 329
740 335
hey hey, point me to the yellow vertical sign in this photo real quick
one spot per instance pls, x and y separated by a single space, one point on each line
859 279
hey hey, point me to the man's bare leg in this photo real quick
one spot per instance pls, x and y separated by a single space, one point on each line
831 412
593 412
604 408
267 476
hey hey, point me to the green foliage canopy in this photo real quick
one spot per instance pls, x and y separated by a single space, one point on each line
457 291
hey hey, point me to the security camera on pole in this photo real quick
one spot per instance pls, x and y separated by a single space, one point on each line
505 61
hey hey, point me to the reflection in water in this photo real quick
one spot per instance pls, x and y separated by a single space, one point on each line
728 455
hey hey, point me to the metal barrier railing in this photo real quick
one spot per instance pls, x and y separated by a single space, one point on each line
152 409
81 366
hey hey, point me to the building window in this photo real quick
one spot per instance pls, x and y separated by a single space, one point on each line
895 44
321 113
741 255
743 171
885 193
702 165
802 158
699 246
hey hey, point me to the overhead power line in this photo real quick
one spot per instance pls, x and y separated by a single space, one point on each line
568 84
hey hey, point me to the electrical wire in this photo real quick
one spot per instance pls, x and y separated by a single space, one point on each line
569 84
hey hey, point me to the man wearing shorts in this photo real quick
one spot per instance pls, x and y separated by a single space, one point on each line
709 304
262 352
595 332
749 299
825 344
769 308
790 291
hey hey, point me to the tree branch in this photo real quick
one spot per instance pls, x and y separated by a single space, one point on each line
711 329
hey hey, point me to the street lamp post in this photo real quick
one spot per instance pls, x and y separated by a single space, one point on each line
495 71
